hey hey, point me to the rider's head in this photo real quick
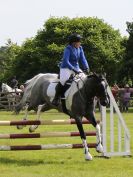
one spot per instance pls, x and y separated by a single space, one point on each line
14 77
75 39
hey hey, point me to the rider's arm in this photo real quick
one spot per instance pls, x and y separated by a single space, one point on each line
83 59
66 59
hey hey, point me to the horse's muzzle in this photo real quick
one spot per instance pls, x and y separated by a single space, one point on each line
105 102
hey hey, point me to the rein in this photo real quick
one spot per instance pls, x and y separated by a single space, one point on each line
77 83
81 95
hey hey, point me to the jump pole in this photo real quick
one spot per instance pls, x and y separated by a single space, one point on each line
41 122
44 147
44 135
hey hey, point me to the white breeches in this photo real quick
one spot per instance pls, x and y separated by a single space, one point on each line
65 74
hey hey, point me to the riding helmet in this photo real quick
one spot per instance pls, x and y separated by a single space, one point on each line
74 38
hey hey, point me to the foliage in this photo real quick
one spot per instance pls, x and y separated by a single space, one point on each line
128 59
125 71
42 53
8 54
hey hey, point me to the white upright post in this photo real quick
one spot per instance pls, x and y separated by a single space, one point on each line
103 113
119 136
111 127
121 126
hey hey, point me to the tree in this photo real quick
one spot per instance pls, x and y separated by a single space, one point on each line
8 54
102 45
125 71
3 59
128 65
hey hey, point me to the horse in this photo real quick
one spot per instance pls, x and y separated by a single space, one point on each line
24 102
78 100
11 94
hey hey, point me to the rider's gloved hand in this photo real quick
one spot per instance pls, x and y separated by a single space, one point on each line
87 71
76 71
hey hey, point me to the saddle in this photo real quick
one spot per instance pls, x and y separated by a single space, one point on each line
71 86
68 90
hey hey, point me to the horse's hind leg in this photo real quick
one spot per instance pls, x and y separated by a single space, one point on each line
25 116
83 137
33 127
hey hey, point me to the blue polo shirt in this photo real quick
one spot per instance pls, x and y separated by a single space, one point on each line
72 57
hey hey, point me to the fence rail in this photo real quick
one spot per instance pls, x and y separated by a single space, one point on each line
8 100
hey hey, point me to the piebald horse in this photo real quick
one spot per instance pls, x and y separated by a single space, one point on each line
78 99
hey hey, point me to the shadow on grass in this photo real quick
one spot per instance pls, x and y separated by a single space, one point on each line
23 162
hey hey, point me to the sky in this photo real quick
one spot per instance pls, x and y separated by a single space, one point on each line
21 19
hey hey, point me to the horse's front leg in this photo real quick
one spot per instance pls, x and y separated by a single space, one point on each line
33 127
25 116
14 98
99 147
83 137
91 118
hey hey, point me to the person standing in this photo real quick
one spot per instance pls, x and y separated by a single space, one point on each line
126 97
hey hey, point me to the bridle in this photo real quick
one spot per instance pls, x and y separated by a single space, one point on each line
102 81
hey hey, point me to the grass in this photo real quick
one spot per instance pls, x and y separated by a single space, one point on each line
59 163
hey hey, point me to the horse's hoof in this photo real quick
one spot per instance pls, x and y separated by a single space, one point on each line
19 127
88 157
31 130
99 148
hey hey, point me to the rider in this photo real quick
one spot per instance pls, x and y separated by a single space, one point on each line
14 83
73 54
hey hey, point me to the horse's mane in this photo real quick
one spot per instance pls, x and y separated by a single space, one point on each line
8 88
96 76
32 80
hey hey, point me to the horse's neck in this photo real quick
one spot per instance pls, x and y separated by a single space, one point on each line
8 89
76 86
90 87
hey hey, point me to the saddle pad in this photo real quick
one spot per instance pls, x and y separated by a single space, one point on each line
75 86
51 90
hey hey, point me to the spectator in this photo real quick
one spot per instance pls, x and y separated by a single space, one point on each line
120 99
14 83
126 97
22 88
114 90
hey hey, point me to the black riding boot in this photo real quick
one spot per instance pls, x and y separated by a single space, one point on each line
59 89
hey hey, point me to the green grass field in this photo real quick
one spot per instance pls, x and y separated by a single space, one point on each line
59 163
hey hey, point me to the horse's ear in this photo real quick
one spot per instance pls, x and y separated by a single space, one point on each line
96 75
104 75
90 74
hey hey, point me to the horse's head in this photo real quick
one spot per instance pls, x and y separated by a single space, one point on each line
99 89
6 88
3 86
